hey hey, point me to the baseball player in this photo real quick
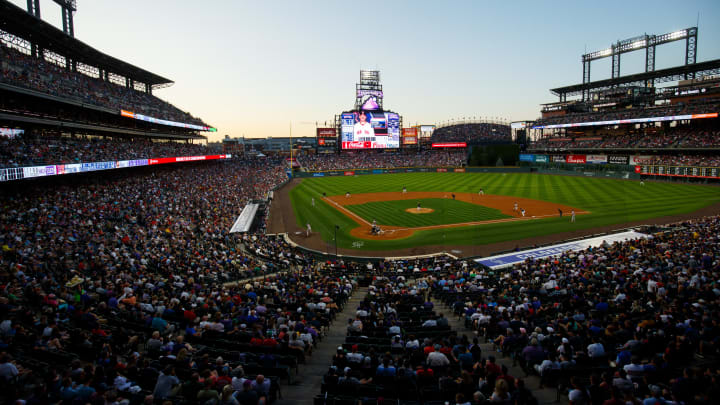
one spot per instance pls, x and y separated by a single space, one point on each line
481 192
347 195
308 229
404 190
560 212
312 201
515 207
453 196
572 216
363 129
642 182
522 211
418 206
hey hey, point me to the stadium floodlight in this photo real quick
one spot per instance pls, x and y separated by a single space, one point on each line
678 34
606 52
638 44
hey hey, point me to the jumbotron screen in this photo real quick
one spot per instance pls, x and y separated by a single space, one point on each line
370 130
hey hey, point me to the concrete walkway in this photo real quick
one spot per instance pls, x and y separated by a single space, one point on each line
307 383
532 382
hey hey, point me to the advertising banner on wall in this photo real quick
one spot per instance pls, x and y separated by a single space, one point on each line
38 171
618 160
426 131
53 170
596 159
630 121
409 136
575 159
525 157
640 160
558 158
541 158
11 132
326 133
449 144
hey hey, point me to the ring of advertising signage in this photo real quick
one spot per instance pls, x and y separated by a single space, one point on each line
449 144
370 130
17 173
629 121
130 114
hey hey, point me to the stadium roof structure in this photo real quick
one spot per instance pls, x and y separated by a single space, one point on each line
711 67
16 21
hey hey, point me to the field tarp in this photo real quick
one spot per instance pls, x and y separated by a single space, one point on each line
509 259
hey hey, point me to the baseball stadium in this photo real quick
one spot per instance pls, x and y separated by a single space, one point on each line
389 257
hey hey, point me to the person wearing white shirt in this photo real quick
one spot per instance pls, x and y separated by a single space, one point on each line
596 349
412 344
437 359
651 286
546 365
362 129
634 369
430 323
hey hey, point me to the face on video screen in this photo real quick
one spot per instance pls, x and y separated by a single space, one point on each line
370 130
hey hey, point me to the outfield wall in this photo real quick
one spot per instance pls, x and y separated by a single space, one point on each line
616 174
354 172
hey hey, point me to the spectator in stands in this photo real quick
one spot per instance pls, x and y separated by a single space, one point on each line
167 384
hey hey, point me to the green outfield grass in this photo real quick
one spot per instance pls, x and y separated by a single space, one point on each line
611 201
446 211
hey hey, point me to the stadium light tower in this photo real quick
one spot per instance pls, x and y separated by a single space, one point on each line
68 8
647 42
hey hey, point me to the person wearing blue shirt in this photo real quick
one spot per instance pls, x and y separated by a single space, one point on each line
385 369
159 324
85 391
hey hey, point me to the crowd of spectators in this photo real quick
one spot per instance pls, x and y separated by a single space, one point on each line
106 281
29 150
686 160
702 106
20 69
116 290
399 347
473 133
629 322
370 160
670 139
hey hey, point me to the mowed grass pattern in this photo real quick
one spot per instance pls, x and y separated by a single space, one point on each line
611 201
447 211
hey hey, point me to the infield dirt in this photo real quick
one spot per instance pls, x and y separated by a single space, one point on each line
419 211
534 209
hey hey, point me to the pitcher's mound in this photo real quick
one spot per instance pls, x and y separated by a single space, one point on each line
419 210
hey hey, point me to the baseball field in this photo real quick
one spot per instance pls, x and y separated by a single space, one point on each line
445 210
